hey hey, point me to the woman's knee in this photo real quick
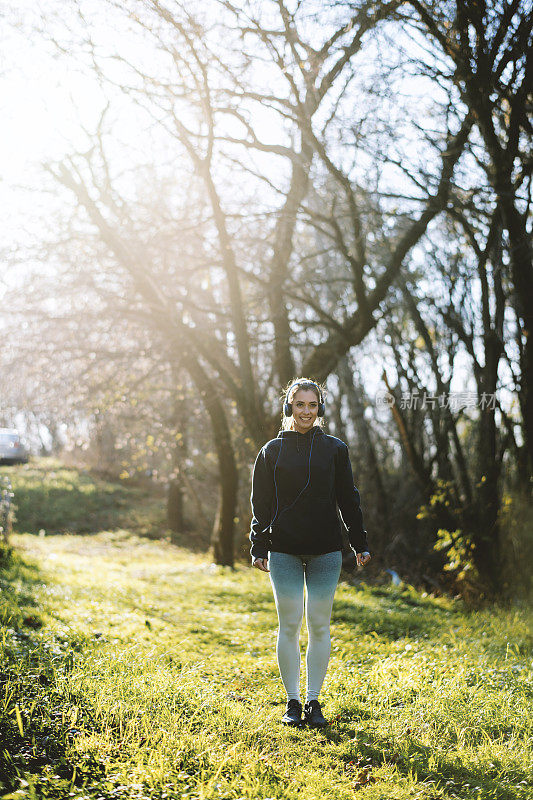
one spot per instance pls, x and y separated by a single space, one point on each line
318 618
290 628
318 629
290 619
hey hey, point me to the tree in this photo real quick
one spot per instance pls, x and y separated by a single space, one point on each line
490 47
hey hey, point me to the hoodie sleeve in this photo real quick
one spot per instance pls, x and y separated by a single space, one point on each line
349 501
261 499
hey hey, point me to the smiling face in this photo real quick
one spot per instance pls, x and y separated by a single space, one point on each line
304 409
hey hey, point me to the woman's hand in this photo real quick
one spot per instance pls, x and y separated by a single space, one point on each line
363 558
262 564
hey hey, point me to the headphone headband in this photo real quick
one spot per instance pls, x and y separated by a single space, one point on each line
287 407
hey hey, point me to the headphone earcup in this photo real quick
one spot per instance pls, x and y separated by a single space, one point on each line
321 409
287 409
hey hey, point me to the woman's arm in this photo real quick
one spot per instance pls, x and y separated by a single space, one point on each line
349 501
261 499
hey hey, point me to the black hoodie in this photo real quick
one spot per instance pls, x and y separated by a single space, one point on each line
289 520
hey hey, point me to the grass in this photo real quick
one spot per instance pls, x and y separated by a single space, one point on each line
133 668
54 498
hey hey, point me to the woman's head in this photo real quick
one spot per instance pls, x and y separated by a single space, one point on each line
305 396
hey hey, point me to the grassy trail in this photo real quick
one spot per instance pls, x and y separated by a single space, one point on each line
133 668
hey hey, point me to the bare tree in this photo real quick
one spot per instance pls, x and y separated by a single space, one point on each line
491 48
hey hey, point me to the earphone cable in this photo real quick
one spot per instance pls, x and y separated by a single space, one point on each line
276 486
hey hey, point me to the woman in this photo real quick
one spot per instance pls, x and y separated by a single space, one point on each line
299 478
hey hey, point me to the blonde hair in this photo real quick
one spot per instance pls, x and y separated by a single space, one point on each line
287 423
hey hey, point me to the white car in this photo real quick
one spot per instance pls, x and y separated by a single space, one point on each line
13 449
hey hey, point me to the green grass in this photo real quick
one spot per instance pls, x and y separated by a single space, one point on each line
55 498
132 668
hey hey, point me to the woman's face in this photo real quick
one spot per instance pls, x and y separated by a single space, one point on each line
304 409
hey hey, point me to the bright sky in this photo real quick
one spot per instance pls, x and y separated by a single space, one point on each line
41 104
45 101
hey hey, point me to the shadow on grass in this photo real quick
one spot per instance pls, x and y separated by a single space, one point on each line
35 727
451 776
391 617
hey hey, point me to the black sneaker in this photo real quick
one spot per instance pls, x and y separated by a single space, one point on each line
293 713
313 715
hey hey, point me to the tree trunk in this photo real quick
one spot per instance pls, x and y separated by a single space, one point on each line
487 555
176 488
336 416
283 247
522 276
383 535
222 544
175 507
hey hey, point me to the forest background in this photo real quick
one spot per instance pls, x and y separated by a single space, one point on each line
206 200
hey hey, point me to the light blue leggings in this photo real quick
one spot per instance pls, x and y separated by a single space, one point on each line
287 575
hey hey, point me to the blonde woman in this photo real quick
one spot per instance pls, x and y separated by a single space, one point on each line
299 479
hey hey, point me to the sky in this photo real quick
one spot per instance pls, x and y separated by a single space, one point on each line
41 104
46 100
